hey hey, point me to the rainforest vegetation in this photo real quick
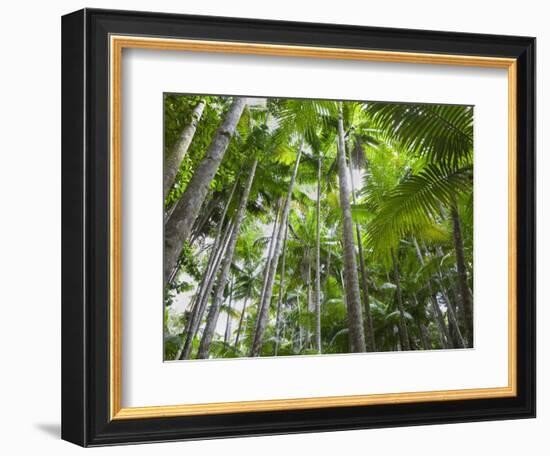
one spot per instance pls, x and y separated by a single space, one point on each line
296 227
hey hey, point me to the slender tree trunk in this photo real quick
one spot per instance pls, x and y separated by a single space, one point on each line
461 343
227 335
173 161
455 299
310 305
214 310
272 241
300 335
463 277
281 293
211 267
318 262
371 344
402 322
204 292
241 321
343 285
263 314
220 225
178 228
327 272
422 329
443 328
201 221
353 299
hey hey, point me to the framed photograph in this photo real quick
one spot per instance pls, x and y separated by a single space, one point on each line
275 227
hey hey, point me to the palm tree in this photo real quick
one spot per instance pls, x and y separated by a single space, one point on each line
462 275
266 298
443 135
214 311
173 160
355 316
179 225
318 260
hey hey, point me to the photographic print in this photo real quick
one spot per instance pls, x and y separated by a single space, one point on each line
307 227
309 215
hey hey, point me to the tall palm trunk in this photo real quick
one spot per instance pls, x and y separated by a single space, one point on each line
402 322
310 305
440 319
272 241
227 335
300 332
463 277
211 267
204 292
453 322
318 262
173 161
281 294
327 272
263 313
371 346
202 219
178 227
443 328
214 310
353 299
241 321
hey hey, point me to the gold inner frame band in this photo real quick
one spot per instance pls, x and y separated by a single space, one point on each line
117 44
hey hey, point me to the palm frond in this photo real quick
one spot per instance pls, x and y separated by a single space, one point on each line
414 202
444 133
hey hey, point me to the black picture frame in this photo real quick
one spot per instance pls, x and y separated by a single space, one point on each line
85 228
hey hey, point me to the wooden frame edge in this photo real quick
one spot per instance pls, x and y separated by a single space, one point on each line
116 45
308 403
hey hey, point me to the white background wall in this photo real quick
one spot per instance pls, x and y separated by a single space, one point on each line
30 226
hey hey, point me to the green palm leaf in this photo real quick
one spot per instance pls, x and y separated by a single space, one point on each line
442 133
415 202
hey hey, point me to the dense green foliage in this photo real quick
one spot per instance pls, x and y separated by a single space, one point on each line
410 167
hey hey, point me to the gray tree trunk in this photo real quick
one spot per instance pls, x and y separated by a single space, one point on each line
214 311
241 321
353 298
371 345
402 322
227 335
443 328
178 227
173 160
461 343
281 294
211 266
318 262
272 240
463 277
263 314
204 292
310 305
